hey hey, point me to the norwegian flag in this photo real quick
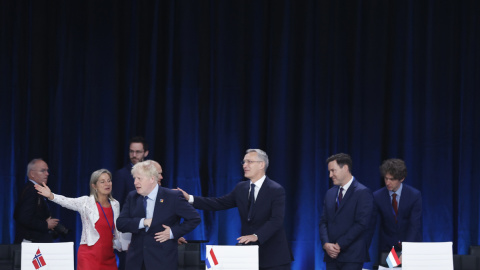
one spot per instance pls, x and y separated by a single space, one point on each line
38 260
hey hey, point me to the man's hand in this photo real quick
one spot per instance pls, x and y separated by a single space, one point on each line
52 223
181 241
147 222
332 249
247 239
185 194
164 235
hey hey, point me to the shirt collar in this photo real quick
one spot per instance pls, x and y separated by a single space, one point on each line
347 185
35 183
260 181
153 195
398 192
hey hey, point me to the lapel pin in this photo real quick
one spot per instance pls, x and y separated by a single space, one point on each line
161 200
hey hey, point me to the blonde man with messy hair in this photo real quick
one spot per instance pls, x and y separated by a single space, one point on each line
147 168
153 215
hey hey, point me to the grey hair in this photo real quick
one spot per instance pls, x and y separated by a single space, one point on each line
94 179
31 164
147 168
261 154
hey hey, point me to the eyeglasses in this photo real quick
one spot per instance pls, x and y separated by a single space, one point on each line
249 161
43 170
138 152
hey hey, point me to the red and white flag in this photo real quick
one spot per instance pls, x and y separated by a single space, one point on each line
211 260
38 260
392 259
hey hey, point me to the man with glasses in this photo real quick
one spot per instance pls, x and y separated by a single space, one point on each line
32 215
261 205
122 179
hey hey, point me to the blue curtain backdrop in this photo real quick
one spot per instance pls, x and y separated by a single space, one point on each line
205 80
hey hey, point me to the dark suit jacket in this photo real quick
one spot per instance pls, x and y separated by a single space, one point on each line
409 226
266 221
31 213
170 207
350 224
122 183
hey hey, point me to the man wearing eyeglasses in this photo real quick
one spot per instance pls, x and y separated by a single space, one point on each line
32 215
261 205
138 151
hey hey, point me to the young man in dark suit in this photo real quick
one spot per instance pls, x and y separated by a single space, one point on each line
345 221
261 205
32 215
398 207
123 179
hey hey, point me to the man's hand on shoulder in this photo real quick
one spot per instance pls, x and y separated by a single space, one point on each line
185 194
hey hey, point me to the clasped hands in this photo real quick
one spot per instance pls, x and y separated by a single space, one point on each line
332 249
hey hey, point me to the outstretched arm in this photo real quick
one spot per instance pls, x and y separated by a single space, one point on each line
44 190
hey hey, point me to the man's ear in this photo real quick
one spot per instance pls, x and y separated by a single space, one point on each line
146 153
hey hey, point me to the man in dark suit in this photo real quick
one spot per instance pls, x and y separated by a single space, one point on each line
122 179
32 216
152 214
398 206
261 205
345 221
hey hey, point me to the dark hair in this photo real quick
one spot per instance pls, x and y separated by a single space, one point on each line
394 166
342 159
139 139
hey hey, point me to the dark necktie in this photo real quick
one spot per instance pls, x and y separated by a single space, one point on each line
339 198
145 204
251 201
395 205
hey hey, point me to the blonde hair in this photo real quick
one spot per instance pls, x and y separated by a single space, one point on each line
94 179
147 168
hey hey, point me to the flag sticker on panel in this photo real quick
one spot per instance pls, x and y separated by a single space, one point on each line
231 257
38 261
211 259
47 256
392 259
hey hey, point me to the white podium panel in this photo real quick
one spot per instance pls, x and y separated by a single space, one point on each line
231 257
49 256
423 256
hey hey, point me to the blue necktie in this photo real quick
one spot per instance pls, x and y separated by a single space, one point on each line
145 204
251 201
